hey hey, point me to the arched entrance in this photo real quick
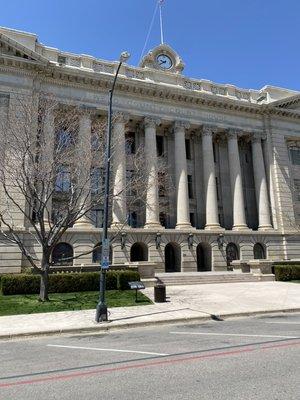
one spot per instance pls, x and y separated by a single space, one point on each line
232 253
97 253
203 252
259 251
62 254
139 252
172 257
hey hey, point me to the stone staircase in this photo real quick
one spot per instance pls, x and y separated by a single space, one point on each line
199 278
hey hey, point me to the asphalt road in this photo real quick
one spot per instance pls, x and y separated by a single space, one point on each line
253 358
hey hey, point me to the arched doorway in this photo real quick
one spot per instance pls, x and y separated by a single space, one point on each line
259 251
139 252
62 254
203 252
172 257
232 253
97 253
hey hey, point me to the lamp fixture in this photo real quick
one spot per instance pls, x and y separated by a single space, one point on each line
190 240
123 239
220 241
158 240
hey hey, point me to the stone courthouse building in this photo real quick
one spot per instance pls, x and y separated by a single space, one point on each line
233 153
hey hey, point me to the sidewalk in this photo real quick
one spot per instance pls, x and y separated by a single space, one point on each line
184 303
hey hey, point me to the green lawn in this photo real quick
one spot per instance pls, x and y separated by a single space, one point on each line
29 304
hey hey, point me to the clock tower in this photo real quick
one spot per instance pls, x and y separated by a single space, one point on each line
163 58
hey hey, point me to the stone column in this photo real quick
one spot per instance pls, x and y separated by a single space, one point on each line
239 217
261 190
152 204
211 201
119 213
48 143
84 164
183 214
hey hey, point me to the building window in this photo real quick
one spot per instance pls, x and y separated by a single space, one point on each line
297 189
188 149
295 155
214 152
63 179
160 145
130 143
161 177
132 219
97 217
63 254
64 139
163 219
130 182
217 187
192 219
190 186
97 180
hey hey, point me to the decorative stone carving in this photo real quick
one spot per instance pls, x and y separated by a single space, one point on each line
121 117
181 125
151 122
150 60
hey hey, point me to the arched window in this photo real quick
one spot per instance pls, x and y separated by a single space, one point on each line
259 251
97 253
232 253
172 257
62 254
139 252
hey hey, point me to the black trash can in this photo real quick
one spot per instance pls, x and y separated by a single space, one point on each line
160 293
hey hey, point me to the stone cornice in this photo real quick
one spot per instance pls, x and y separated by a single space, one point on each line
63 76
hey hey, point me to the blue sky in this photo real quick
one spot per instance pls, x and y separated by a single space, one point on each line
246 43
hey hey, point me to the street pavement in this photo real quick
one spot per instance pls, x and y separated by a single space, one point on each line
184 303
255 358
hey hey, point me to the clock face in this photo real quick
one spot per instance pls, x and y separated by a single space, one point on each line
164 61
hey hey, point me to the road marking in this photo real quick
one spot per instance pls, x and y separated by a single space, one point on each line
281 322
114 350
232 334
150 364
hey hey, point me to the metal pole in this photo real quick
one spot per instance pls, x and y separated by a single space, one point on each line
101 311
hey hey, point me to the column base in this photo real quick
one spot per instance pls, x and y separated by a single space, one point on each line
153 225
83 224
241 228
265 228
213 227
184 225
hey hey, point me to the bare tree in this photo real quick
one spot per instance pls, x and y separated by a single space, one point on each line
51 176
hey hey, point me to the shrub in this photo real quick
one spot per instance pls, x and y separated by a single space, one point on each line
66 282
287 272
125 277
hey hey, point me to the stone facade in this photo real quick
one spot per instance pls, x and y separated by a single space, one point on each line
234 156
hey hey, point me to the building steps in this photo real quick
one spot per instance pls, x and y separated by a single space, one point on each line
199 278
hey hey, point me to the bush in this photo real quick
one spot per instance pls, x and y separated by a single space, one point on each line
287 272
125 277
66 282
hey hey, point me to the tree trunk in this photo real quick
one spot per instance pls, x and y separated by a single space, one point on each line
44 283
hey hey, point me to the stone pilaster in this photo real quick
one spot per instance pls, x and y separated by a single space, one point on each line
183 214
152 204
239 216
84 164
48 143
119 212
261 189
211 201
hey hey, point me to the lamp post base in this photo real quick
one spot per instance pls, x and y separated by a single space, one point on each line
101 313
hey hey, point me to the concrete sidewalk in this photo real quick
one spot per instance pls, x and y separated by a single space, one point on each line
185 303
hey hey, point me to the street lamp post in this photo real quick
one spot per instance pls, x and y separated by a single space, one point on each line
101 311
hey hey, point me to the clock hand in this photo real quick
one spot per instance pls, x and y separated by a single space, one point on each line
162 62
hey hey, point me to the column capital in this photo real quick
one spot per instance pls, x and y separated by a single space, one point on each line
207 130
180 124
257 137
151 122
86 111
232 133
121 117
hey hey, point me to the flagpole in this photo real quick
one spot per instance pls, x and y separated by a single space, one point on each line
161 21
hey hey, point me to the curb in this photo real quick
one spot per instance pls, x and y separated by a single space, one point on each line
107 327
